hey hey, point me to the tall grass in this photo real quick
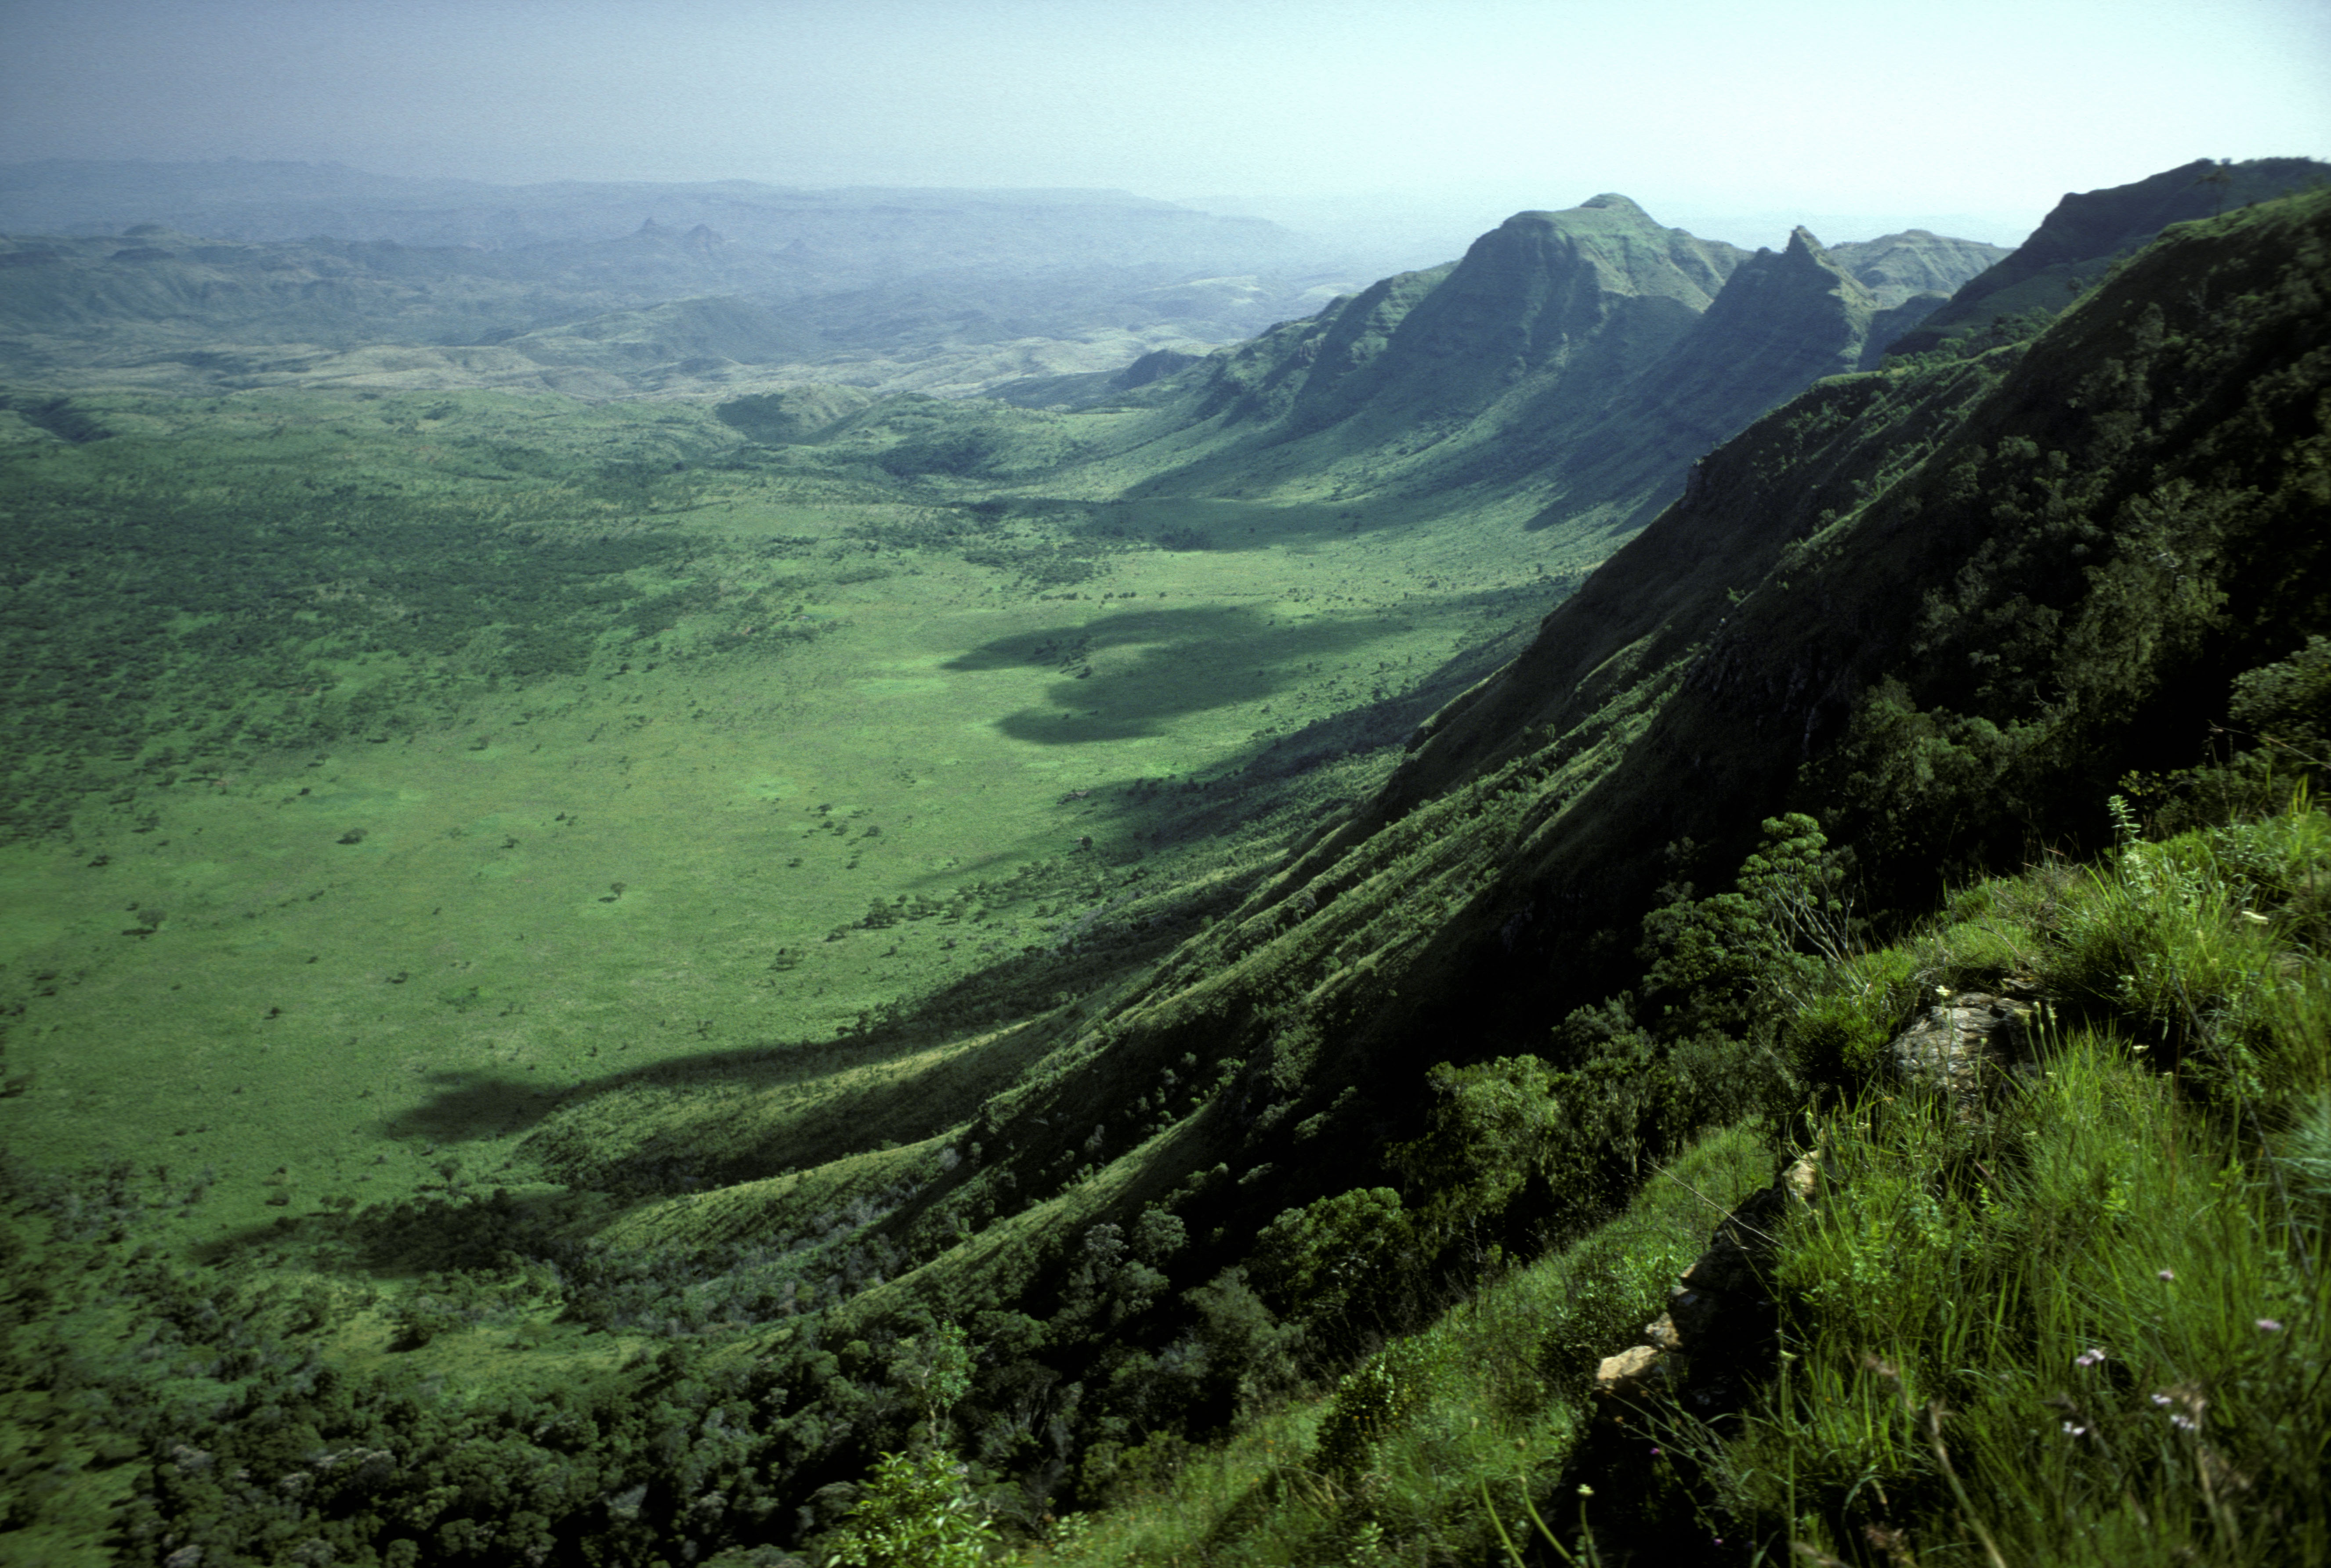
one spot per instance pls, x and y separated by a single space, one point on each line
2089 1327
1387 1466
2085 1327
2078 1338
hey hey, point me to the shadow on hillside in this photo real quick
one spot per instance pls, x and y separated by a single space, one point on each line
724 1110
467 1105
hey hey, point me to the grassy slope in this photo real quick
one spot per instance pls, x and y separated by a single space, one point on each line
2085 1328
1490 888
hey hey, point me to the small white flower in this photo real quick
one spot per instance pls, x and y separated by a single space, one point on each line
2268 1326
2073 1430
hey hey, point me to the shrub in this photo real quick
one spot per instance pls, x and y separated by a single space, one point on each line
1370 1402
1327 1257
1843 1027
916 1512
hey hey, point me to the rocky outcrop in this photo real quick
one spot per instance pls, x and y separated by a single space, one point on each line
1783 320
1593 292
1963 1045
1716 1333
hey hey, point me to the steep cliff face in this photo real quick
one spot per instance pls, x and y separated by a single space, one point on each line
1594 290
1785 319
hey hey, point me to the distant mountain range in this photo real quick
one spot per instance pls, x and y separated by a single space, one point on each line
860 232
1566 370
1944 609
1944 549
197 275
1573 365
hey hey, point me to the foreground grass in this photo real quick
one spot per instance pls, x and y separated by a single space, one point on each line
1387 1466
2085 1326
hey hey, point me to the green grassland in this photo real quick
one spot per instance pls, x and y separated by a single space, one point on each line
415 796
728 758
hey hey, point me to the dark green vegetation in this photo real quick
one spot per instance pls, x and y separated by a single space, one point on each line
2086 236
2083 1326
1192 999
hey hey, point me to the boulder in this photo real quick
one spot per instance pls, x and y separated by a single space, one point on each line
1963 1039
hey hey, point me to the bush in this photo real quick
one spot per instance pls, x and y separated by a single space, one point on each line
1327 1257
1843 1029
1372 1400
916 1512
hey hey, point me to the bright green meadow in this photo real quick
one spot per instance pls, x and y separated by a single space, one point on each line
446 891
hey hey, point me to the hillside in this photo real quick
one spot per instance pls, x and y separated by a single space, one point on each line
2079 241
1121 938
1562 373
1828 621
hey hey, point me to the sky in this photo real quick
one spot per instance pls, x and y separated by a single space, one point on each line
1735 120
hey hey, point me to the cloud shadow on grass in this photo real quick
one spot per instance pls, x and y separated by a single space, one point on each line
467 1106
1157 665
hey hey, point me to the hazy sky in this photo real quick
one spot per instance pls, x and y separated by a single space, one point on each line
1751 113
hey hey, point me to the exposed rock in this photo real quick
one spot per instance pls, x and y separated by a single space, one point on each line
1720 1320
1630 1373
1960 1037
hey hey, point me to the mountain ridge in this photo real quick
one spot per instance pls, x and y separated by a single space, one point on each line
2088 231
1562 373
1740 659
